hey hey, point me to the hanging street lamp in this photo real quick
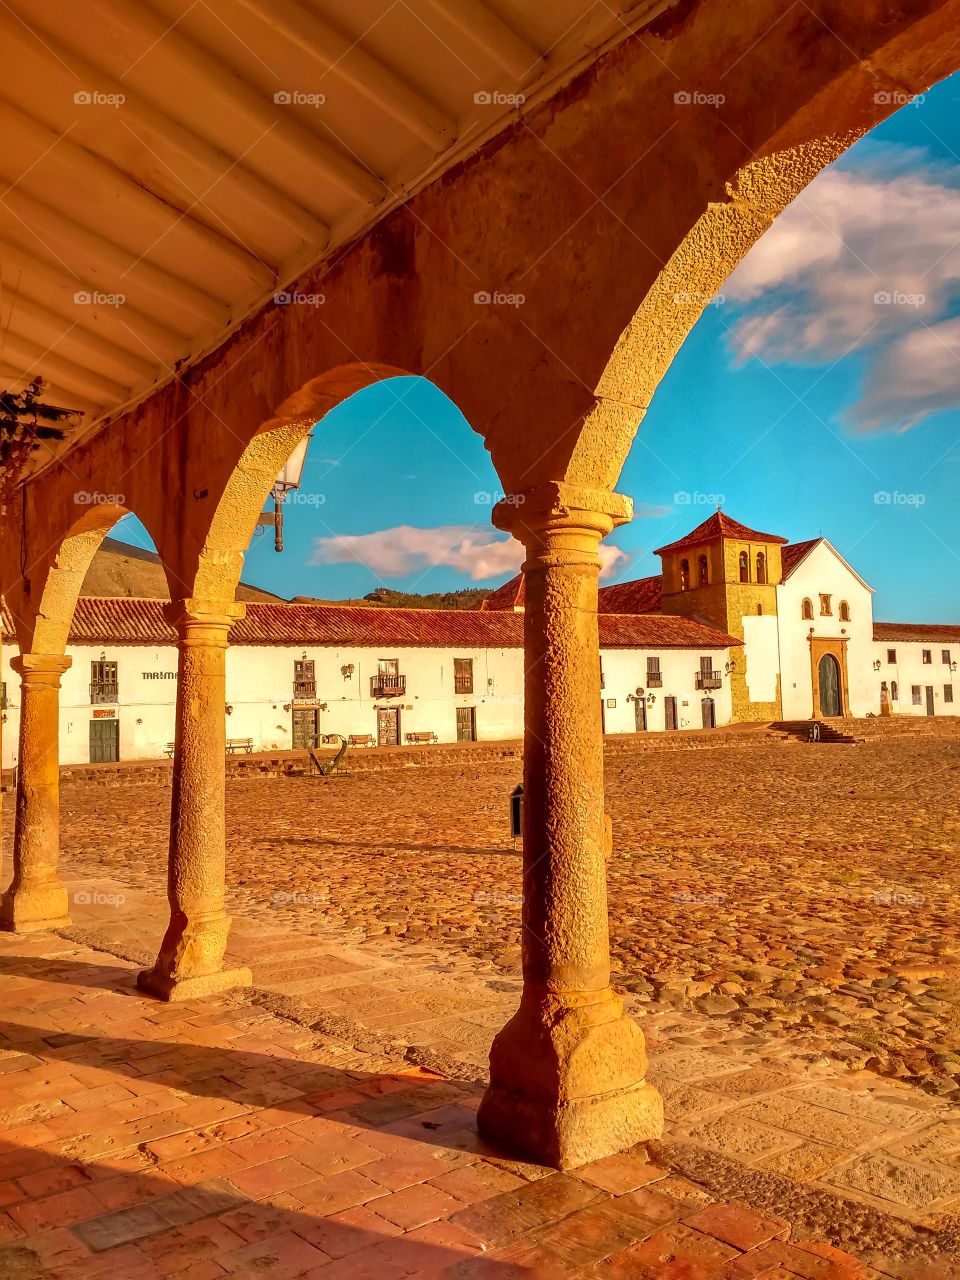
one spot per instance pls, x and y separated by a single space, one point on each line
287 480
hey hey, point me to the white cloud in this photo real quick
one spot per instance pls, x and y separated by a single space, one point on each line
809 289
477 553
918 376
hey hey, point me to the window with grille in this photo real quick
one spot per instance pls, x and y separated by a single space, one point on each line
304 678
103 682
463 675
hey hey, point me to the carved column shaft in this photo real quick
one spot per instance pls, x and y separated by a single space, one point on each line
36 899
567 1072
190 962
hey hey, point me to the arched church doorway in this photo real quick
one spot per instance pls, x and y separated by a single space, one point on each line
831 703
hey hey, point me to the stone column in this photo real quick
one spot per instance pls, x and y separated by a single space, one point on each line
567 1071
36 899
191 954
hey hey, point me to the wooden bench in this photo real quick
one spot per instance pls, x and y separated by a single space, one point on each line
168 749
362 740
425 735
239 744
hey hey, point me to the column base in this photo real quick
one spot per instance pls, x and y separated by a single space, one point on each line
567 1082
165 987
32 910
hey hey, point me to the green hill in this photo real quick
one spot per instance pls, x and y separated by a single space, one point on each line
387 598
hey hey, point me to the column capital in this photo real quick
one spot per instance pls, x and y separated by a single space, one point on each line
203 622
41 670
559 507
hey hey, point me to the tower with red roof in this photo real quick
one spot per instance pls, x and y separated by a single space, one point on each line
727 574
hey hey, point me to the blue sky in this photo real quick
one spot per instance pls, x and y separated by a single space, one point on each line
819 394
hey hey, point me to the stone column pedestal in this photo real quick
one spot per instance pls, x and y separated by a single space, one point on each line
191 954
36 899
567 1071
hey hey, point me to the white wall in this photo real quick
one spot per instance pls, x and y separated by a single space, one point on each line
824 572
760 648
910 669
625 670
260 692
146 712
260 685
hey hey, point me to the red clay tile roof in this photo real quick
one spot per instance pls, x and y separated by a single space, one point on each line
641 596
792 554
660 631
719 526
930 631
509 596
644 595
122 620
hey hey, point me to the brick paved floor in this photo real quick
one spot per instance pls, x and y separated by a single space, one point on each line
212 1138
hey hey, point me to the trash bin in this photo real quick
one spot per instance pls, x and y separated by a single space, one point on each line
516 811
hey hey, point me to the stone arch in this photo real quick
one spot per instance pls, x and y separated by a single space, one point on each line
42 618
248 487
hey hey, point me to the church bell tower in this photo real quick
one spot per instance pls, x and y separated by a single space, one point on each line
727 575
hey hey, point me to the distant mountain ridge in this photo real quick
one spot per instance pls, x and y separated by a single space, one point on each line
119 569
465 598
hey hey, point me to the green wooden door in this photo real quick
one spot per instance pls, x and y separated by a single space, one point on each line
104 741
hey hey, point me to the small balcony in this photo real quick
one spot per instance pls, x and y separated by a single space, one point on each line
304 689
654 680
388 685
104 691
463 684
709 680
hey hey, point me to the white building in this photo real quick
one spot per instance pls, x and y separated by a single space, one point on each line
811 647
297 672
916 666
